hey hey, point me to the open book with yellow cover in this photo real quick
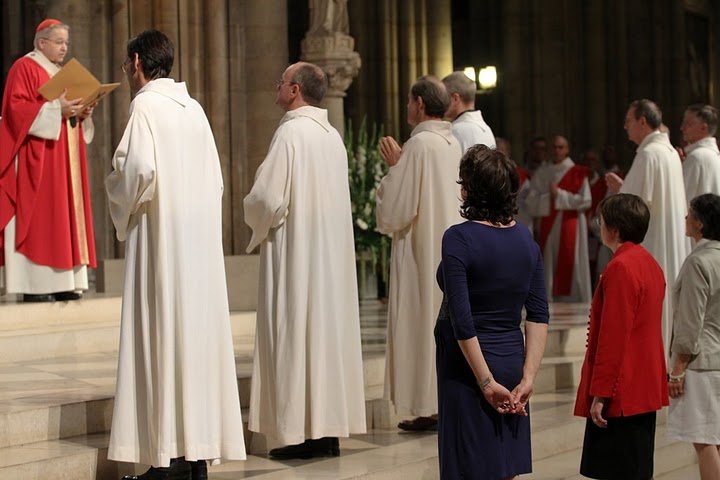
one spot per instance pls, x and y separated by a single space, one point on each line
79 82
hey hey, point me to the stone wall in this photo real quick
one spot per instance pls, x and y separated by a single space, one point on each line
230 52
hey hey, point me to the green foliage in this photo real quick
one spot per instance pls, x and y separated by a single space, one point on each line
365 170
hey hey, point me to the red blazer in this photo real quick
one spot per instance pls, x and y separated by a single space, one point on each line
625 358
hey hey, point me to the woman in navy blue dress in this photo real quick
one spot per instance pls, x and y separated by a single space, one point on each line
491 268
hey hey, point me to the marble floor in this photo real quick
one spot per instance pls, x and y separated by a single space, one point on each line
59 394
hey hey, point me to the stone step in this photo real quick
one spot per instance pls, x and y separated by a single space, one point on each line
558 373
70 396
42 331
566 339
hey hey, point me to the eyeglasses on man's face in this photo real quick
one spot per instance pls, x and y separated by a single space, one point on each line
126 62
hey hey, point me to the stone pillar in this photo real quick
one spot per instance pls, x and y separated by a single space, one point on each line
328 45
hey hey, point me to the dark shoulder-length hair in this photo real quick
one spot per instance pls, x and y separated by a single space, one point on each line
706 209
489 184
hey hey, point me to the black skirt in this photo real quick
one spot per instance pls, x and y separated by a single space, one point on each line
624 450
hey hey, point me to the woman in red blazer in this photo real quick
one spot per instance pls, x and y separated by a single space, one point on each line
623 381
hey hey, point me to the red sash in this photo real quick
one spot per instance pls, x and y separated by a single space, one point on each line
562 280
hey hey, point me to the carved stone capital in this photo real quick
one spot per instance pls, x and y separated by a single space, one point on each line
334 54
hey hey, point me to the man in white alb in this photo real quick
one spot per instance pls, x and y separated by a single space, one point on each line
559 195
307 383
701 168
417 201
468 124
177 402
656 177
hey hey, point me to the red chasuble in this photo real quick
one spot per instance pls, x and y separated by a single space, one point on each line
523 175
52 227
562 279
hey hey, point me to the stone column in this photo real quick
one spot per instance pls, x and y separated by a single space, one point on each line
328 45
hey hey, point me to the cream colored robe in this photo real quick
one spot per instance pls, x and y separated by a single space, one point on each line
537 204
701 168
177 392
307 372
417 201
22 275
656 177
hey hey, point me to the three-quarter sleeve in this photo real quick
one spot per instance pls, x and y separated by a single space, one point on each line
454 270
536 304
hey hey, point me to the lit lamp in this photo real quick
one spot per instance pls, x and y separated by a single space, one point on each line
487 77
470 73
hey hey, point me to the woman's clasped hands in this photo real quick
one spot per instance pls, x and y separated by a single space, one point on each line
505 401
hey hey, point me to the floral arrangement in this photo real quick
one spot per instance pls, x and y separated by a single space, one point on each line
365 170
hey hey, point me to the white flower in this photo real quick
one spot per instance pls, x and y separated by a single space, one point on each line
361 223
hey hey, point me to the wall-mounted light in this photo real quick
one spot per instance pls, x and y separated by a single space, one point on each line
470 73
487 77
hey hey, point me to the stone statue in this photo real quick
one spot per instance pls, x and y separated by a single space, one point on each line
327 17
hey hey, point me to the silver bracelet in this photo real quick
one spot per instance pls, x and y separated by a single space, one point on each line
675 378
484 384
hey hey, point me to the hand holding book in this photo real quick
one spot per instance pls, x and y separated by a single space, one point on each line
75 82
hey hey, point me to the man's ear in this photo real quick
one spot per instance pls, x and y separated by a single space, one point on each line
420 103
136 62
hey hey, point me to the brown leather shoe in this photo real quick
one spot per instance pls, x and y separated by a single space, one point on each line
419 424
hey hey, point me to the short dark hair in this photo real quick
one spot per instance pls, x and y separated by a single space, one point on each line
628 214
706 208
707 114
155 51
489 181
313 82
648 109
434 95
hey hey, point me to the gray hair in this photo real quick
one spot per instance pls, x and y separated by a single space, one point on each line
707 114
45 32
458 82
313 82
648 109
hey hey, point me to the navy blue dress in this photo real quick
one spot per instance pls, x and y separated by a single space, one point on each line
487 275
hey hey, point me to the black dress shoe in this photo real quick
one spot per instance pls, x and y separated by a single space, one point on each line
34 298
179 469
419 424
321 447
67 296
199 470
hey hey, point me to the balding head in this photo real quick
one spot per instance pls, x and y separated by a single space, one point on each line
301 84
312 81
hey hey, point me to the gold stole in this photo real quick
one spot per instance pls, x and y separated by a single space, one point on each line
73 134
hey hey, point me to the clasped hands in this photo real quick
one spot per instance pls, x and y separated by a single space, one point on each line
505 401
75 108
390 151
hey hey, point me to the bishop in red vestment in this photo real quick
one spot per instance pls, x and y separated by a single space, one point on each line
46 232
